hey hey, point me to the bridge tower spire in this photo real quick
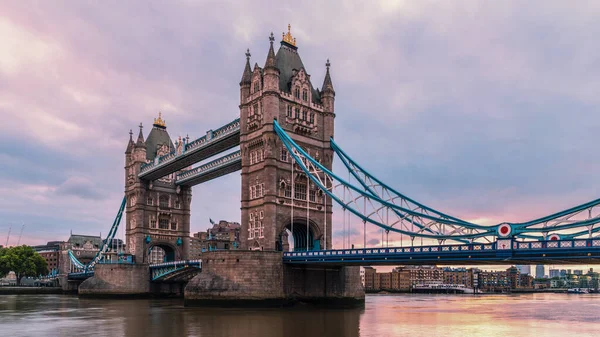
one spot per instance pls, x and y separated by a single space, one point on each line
283 90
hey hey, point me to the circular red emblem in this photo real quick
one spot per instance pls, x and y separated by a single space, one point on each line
504 230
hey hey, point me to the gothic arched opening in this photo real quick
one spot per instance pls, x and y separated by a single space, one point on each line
297 237
160 254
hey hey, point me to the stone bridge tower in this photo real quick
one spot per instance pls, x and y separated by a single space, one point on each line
283 90
157 215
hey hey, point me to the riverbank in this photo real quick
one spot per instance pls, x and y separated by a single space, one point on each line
30 290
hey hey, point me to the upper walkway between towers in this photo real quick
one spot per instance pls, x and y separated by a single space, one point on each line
213 143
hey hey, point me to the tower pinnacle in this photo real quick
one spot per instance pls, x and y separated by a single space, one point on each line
327 84
140 139
159 122
130 143
270 63
247 75
287 38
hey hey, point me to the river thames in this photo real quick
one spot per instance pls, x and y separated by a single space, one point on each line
383 315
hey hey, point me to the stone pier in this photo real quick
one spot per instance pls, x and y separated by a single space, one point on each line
231 278
117 280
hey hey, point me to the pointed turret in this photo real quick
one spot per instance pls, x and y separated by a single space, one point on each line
327 93
140 140
247 75
327 84
270 63
246 79
130 143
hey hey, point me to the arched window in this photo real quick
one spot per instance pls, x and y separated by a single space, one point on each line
256 86
305 95
304 115
163 201
312 118
297 93
297 113
289 111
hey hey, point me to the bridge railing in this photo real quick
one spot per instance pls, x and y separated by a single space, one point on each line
160 270
516 245
576 243
210 137
176 263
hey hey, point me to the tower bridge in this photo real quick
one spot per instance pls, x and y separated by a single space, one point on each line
285 150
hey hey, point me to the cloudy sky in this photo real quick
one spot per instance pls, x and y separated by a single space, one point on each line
484 109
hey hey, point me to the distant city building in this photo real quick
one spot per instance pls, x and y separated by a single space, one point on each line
459 276
578 272
362 276
370 275
524 269
51 253
222 236
402 278
540 271
554 273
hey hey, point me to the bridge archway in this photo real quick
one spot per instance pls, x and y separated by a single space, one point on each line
161 252
296 239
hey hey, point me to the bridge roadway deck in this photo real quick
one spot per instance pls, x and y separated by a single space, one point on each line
538 252
173 163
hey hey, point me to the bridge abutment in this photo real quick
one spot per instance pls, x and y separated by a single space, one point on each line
259 278
112 280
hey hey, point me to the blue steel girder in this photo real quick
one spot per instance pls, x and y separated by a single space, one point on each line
213 143
80 275
581 251
175 270
107 243
214 169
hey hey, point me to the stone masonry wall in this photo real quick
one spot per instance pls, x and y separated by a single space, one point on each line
260 277
324 284
237 275
117 280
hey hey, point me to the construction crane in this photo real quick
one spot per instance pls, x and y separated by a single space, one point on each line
21 233
7 237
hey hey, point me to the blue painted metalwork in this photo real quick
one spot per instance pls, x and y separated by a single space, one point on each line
80 267
504 251
191 147
429 222
80 275
227 160
161 271
296 151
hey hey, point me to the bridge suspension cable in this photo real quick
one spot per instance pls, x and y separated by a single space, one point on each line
106 244
394 212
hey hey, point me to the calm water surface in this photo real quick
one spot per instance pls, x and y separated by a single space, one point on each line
383 315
